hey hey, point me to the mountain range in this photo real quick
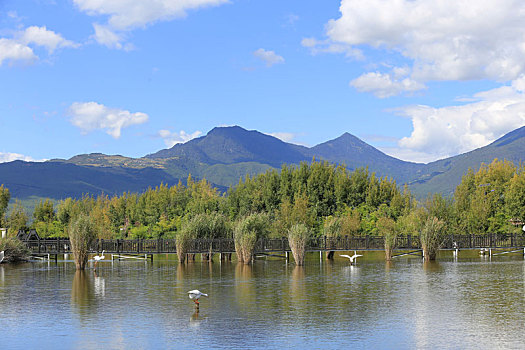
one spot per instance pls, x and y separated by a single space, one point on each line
226 154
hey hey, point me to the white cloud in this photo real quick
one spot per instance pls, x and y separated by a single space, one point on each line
269 57
109 38
126 15
41 36
9 157
385 85
327 46
19 48
89 116
442 40
172 138
12 51
451 130
283 136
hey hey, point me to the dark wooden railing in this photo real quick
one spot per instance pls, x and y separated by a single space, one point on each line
223 245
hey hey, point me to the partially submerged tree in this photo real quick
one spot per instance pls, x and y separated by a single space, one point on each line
387 228
432 236
298 236
82 233
246 233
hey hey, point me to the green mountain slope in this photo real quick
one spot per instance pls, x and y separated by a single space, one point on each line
59 180
227 154
228 145
444 175
354 153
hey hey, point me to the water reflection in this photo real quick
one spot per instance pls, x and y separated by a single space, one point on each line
100 286
406 304
432 266
82 293
244 286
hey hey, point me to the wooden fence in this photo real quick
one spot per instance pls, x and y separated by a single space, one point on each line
268 245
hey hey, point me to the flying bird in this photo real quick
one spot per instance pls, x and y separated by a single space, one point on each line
353 258
195 295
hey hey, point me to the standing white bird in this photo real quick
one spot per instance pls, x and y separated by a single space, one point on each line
98 258
353 258
1 256
195 295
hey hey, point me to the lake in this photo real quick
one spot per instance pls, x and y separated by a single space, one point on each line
469 302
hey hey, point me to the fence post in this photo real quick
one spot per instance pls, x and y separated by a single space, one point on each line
409 243
367 241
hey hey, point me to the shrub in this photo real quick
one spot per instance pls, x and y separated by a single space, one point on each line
14 250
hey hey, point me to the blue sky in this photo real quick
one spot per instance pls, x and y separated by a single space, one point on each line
419 79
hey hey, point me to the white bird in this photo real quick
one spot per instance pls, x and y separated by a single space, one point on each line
98 258
1 256
352 258
195 295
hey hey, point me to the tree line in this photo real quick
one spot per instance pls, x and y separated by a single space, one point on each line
322 198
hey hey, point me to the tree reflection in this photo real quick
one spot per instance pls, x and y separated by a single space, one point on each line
82 292
244 286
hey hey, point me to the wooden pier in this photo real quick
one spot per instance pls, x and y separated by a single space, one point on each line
144 247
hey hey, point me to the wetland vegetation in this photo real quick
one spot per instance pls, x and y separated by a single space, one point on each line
317 198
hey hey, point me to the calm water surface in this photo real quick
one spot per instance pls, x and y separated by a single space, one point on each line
471 302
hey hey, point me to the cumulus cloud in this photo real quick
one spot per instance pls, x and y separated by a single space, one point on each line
89 116
41 36
13 51
173 138
268 56
9 157
126 15
19 48
451 130
385 85
442 40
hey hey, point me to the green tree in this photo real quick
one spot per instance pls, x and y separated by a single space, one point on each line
17 219
44 211
5 196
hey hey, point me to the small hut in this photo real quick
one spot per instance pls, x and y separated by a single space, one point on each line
32 235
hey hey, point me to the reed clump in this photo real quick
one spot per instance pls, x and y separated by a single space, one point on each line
432 236
388 229
183 238
207 226
81 233
14 250
298 236
246 233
